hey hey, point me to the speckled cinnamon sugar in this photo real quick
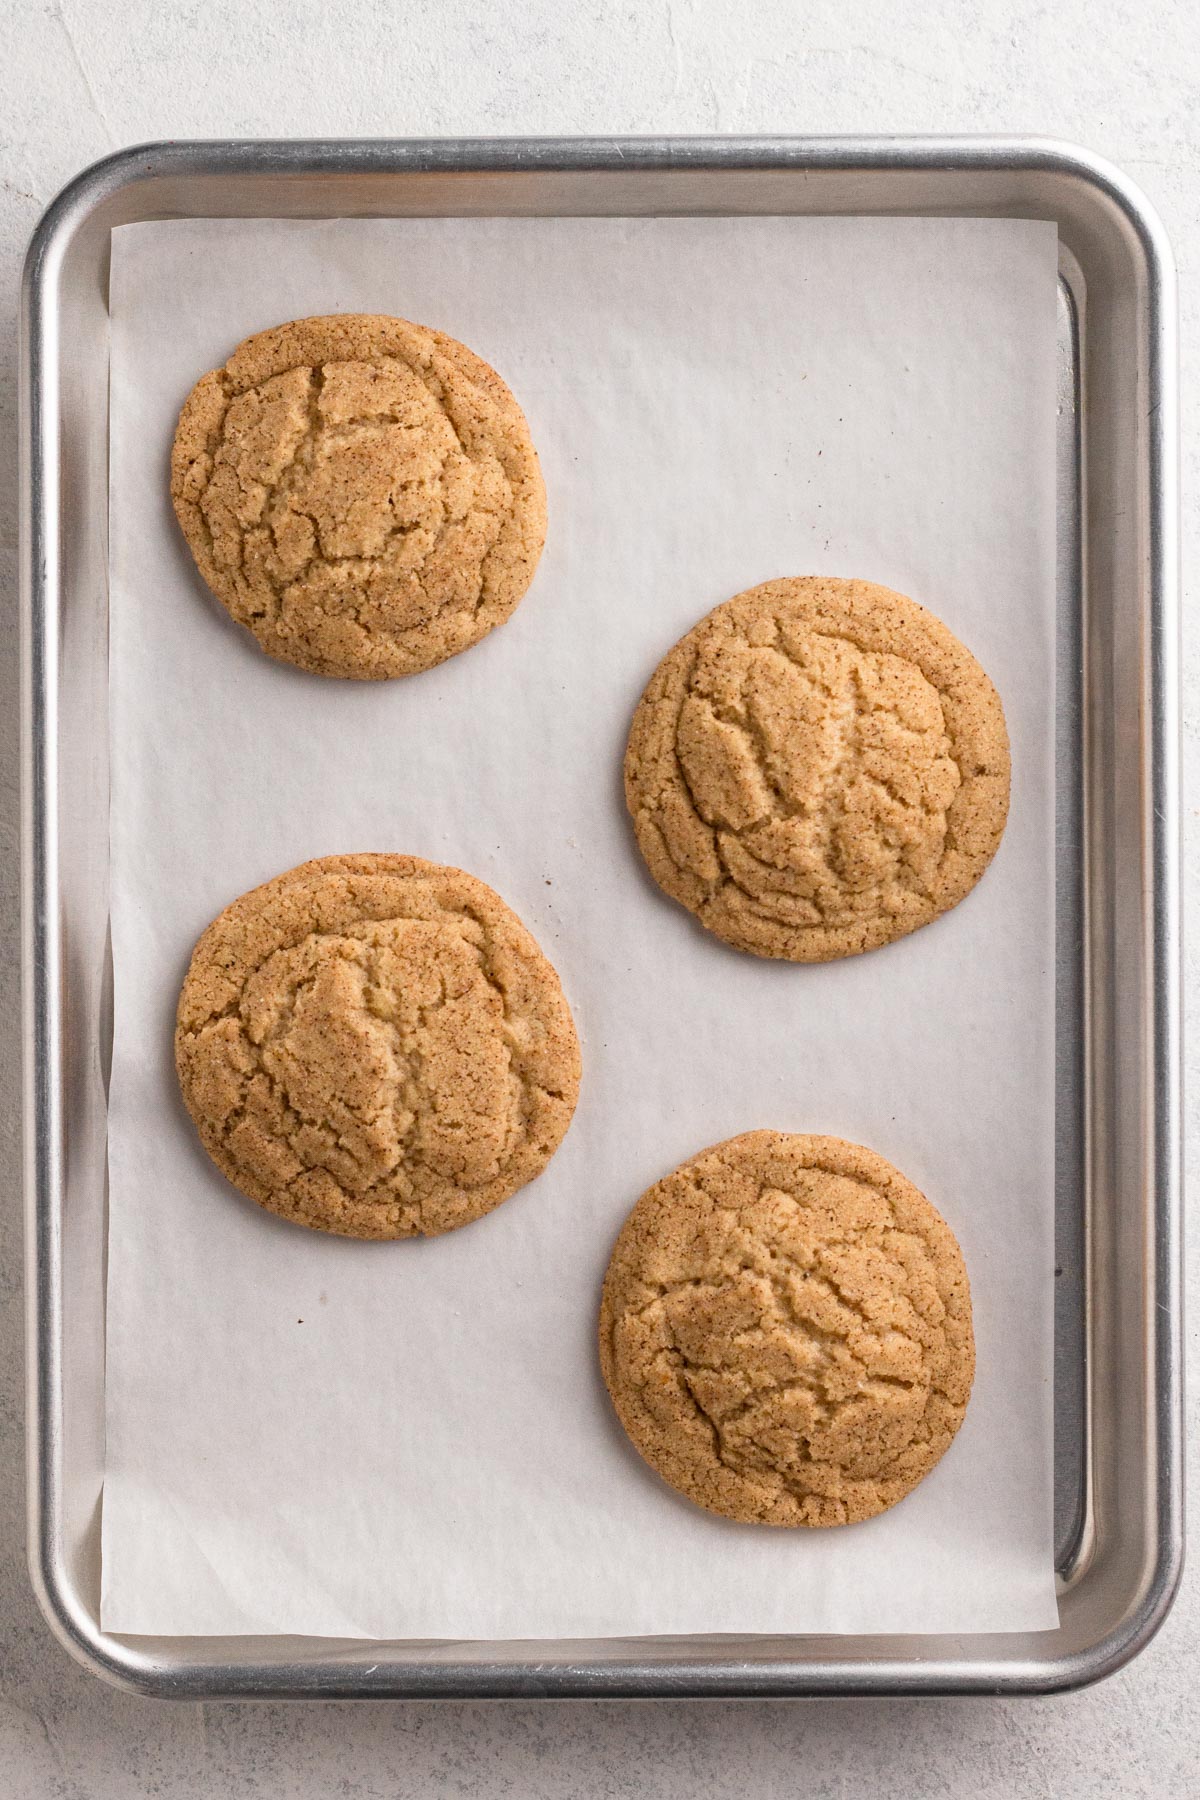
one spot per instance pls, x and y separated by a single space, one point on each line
818 768
359 492
785 1331
375 1046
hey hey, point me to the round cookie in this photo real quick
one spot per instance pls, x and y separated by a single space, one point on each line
361 493
785 1331
817 768
375 1046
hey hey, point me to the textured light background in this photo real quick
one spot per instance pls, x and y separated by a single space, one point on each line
81 78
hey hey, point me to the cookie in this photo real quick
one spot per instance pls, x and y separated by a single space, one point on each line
817 768
785 1331
375 1046
360 493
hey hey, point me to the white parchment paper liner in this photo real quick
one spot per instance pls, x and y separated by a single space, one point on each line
317 1436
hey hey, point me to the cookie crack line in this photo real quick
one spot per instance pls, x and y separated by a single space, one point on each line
831 796
791 1480
408 1056
817 768
281 496
379 921
381 1069
366 561
799 1324
785 1331
785 1301
281 491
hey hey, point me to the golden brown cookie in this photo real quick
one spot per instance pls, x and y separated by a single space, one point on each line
375 1046
785 1331
361 493
817 768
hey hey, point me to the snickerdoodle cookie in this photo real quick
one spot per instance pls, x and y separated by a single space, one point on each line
817 768
361 493
375 1046
785 1331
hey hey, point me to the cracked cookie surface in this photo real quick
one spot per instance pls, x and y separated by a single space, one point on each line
359 492
817 768
375 1046
785 1331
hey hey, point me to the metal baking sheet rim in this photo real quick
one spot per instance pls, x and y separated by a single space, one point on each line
1120 1568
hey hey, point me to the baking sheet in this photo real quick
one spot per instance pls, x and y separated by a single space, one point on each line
316 1436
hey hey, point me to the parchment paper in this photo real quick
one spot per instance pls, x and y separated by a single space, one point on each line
311 1435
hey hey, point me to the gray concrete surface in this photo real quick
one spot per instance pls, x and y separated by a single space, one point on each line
81 77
